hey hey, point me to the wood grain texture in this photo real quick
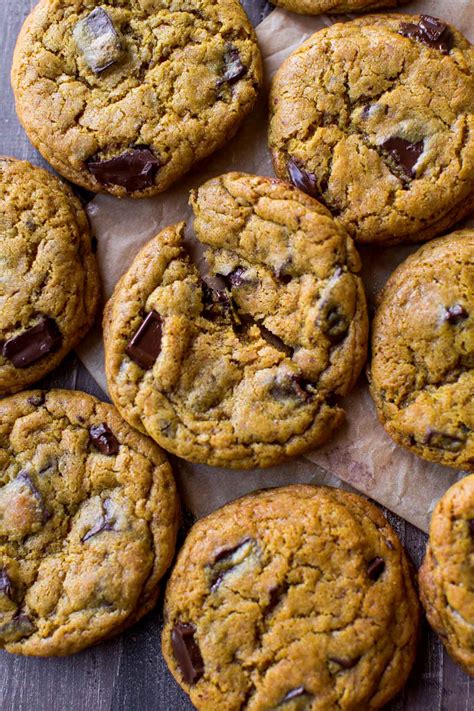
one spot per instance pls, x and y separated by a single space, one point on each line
128 673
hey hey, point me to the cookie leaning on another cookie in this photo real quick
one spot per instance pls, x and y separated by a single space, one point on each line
318 7
375 117
447 574
422 370
88 520
126 97
49 283
293 598
246 369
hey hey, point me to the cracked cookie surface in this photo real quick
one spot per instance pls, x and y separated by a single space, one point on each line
447 573
49 283
88 519
243 369
126 97
298 599
422 370
376 117
318 7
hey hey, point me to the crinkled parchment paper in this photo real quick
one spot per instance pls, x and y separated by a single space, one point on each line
361 454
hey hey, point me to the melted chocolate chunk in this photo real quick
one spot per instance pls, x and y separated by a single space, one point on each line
34 343
145 346
18 627
471 526
455 314
98 40
105 523
216 301
134 170
430 31
25 478
335 323
237 277
406 154
344 663
6 587
302 178
226 559
186 652
441 440
234 69
293 386
36 400
299 694
224 553
104 439
375 568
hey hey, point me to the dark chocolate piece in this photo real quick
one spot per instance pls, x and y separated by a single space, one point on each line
6 586
224 552
105 523
236 277
34 343
36 400
234 69
104 439
471 526
375 568
298 693
430 31
302 178
98 40
334 323
406 154
216 302
455 314
186 652
441 440
25 478
345 663
224 561
145 346
134 170
18 627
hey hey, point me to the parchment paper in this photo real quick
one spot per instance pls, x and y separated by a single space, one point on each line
361 454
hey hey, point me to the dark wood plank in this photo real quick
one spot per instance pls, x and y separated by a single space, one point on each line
128 673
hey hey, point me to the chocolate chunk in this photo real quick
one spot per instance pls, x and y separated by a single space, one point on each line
227 559
105 523
430 31
104 439
406 154
36 400
234 69
134 170
216 301
471 526
344 663
275 340
187 652
98 40
223 553
455 314
302 178
375 568
25 478
236 278
34 343
6 586
334 323
18 627
298 693
441 440
293 386
282 274
145 346
275 596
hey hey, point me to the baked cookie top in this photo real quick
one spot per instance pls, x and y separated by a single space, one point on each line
243 370
49 284
375 117
298 598
318 7
447 574
126 96
422 370
88 519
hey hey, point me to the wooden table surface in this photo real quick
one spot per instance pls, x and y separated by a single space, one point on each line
128 673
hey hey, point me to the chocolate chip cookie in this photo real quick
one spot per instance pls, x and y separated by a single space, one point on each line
49 283
298 598
318 7
88 518
375 118
422 371
126 97
447 574
243 368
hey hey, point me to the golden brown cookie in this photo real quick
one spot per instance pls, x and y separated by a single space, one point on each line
49 283
447 574
245 368
422 370
375 117
125 97
292 599
88 519
318 7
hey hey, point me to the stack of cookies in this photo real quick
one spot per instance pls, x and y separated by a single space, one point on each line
300 598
